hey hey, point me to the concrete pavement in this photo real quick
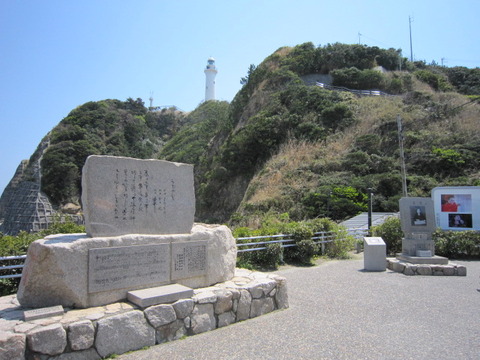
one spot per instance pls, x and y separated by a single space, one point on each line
338 311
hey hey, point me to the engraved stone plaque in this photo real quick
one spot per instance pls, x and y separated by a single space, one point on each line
132 196
189 259
41 313
127 266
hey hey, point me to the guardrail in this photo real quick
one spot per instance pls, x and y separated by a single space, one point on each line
357 92
286 240
9 268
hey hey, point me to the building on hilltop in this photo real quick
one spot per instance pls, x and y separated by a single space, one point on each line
210 73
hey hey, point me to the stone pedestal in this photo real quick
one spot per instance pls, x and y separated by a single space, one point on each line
375 254
418 224
439 260
77 271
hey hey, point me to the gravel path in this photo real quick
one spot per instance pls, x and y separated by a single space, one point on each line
338 311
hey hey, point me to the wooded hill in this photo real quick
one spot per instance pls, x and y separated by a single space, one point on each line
286 146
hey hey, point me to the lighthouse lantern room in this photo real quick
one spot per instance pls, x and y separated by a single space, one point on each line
210 73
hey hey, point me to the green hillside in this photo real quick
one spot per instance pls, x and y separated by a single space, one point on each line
284 145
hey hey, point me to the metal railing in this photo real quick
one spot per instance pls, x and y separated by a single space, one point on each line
9 268
321 238
357 92
286 240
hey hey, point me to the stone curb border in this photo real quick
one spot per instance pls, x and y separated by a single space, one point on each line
95 333
426 269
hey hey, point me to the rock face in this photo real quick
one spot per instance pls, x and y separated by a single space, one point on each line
57 268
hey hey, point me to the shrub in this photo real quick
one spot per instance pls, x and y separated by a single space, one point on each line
18 245
457 244
339 249
391 232
306 249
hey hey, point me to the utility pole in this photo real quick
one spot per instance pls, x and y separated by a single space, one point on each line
402 156
359 38
370 193
410 20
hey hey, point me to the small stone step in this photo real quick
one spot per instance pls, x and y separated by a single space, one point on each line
159 295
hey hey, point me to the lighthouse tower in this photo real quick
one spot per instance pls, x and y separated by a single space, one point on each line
210 73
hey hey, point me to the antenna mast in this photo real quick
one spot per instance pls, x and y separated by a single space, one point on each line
410 20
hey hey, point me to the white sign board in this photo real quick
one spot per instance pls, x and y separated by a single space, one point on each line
457 207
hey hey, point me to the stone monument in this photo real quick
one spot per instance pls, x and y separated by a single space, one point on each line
140 234
375 254
418 223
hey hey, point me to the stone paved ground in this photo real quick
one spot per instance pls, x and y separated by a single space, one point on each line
337 311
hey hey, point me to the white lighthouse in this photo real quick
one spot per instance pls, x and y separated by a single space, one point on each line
210 73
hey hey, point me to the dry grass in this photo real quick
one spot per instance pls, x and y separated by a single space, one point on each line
289 169
277 173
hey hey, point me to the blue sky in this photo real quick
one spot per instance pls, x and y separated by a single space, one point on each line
57 54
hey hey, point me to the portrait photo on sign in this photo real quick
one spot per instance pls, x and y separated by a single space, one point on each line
456 202
460 220
418 215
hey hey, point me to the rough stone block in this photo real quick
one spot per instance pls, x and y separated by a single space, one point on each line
90 354
244 304
424 270
203 318
12 346
261 307
281 296
159 315
398 267
226 319
183 308
224 302
448 270
133 196
255 288
409 270
81 335
124 332
49 340
461 270
170 332
205 297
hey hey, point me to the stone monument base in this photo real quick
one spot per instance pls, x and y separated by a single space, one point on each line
434 260
98 332
409 268
77 271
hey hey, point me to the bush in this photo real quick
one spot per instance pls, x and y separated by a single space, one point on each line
339 249
18 245
306 249
391 232
457 244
